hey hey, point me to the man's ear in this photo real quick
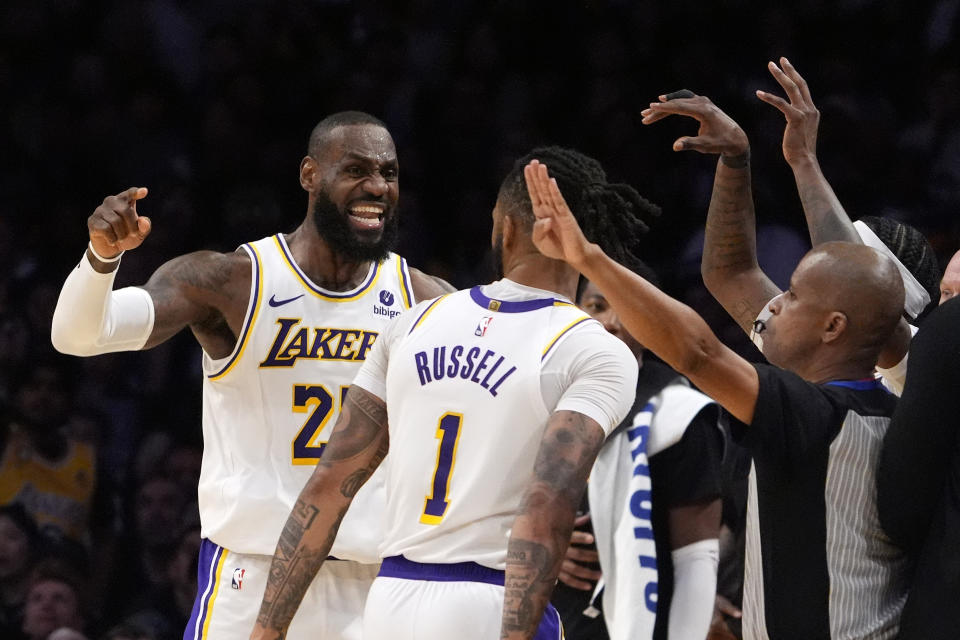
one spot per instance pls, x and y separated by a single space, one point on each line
835 325
509 230
308 173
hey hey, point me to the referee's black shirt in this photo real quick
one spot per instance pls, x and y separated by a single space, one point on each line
818 564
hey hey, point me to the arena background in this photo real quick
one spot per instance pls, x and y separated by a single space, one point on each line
209 104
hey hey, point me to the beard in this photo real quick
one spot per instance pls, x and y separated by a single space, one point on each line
351 244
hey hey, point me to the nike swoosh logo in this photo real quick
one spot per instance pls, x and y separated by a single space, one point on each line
279 303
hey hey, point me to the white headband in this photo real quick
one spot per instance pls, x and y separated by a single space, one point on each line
917 298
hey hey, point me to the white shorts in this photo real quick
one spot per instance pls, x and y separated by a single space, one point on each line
414 601
231 586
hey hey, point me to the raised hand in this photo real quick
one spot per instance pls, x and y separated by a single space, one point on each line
718 133
115 226
556 233
803 118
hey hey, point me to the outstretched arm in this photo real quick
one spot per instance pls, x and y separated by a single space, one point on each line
541 531
730 269
357 445
827 220
666 326
207 291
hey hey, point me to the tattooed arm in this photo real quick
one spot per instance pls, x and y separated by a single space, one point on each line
729 268
357 446
542 529
206 291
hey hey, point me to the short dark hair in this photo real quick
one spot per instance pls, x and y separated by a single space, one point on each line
55 569
340 119
614 215
912 249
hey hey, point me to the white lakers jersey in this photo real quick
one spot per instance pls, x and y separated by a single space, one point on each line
464 386
270 406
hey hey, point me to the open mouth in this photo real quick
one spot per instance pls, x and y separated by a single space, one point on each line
367 216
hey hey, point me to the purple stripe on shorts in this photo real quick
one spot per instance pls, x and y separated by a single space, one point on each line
206 575
400 567
550 625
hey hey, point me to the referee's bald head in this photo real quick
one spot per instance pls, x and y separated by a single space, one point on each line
844 303
862 283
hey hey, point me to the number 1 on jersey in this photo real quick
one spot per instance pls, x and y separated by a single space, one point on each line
448 432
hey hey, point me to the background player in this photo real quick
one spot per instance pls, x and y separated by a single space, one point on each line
284 324
499 398
670 445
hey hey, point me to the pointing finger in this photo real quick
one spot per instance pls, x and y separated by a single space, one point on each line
132 194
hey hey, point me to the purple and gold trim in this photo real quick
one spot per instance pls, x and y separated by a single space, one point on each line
426 312
563 331
252 312
403 275
506 306
209 568
319 292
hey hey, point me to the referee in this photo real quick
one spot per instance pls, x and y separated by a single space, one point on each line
818 564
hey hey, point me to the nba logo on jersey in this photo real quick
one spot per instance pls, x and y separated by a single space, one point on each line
386 297
237 582
481 329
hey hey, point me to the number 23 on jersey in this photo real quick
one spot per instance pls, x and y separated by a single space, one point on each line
316 401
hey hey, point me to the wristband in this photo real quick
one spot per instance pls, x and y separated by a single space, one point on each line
99 257
736 162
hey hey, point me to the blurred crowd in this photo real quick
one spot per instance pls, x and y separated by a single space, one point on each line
209 104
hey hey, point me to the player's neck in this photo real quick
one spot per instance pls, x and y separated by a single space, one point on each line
321 264
535 270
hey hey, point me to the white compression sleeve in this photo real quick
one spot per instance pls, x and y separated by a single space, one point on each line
91 318
694 589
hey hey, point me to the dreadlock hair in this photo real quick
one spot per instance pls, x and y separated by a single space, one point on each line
340 119
912 250
613 215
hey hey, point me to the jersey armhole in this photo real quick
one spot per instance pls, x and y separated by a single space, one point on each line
216 369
